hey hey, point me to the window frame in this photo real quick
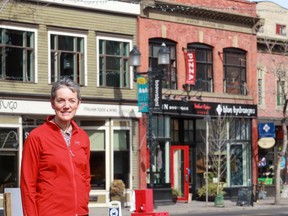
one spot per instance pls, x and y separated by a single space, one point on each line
240 68
82 79
14 152
129 150
207 82
281 29
34 76
171 69
260 86
101 127
129 70
279 92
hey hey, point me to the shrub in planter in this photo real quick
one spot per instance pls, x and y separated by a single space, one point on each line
117 188
212 191
175 193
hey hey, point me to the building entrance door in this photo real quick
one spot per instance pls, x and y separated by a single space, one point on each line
180 172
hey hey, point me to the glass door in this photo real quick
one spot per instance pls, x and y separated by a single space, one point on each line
180 172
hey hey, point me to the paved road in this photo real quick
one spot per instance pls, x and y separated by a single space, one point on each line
264 207
281 211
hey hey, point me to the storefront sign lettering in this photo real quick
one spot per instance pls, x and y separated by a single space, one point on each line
85 109
101 109
8 105
156 92
235 110
212 109
156 99
168 107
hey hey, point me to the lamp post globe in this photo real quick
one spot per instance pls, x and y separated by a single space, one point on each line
134 57
163 55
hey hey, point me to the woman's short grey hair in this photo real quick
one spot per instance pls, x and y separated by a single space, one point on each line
65 82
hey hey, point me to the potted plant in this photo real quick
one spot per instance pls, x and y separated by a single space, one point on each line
215 193
117 188
175 194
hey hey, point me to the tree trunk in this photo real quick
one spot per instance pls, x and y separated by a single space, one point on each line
280 155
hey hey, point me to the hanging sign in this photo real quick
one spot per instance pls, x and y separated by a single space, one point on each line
266 142
190 57
266 130
156 92
143 94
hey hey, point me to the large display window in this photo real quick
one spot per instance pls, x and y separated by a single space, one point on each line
9 158
234 146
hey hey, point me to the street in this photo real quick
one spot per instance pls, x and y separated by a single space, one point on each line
279 211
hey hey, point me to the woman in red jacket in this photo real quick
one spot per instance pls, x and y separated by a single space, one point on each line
55 170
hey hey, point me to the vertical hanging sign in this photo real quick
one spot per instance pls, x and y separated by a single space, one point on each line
156 94
190 58
143 97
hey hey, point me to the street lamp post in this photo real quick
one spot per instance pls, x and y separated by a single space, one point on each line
207 119
134 60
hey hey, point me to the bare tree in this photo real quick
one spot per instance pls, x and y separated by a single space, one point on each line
276 63
220 130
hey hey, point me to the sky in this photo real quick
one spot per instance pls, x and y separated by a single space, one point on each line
283 3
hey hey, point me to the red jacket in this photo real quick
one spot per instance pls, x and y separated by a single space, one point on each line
55 180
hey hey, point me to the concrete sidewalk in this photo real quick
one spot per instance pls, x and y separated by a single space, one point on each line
197 206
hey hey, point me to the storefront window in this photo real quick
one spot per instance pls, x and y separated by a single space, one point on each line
174 130
200 152
97 158
231 139
122 156
9 144
188 131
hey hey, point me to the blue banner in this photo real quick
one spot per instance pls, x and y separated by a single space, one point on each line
143 94
266 130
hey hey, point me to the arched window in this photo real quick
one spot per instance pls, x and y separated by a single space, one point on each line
169 79
234 71
204 67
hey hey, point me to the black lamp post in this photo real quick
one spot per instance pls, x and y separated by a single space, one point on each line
134 60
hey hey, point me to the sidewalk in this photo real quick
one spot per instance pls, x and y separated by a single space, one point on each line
197 206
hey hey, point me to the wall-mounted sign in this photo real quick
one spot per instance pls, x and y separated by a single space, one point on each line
266 142
212 109
156 94
266 130
85 109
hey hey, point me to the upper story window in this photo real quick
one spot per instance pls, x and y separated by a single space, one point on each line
281 89
67 56
204 67
260 86
280 29
169 79
17 54
234 71
113 67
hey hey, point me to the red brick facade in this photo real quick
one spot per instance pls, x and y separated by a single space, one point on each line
219 38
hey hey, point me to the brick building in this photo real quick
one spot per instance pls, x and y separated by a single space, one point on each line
222 37
272 89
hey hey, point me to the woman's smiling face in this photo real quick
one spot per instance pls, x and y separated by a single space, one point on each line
65 104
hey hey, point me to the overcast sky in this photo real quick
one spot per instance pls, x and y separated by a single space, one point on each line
283 3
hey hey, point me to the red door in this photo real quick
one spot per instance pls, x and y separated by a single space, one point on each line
180 173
